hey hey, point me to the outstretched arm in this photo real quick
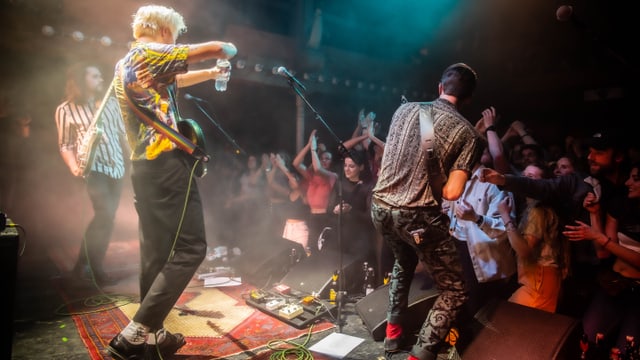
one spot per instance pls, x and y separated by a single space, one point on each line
206 51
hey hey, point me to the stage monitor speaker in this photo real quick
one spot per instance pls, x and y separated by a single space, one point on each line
373 307
313 275
265 262
509 331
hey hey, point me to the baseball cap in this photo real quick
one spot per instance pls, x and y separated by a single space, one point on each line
606 139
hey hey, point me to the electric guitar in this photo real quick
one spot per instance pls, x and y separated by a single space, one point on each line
192 131
86 153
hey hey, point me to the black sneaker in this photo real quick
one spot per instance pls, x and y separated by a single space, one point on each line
121 349
393 345
167 347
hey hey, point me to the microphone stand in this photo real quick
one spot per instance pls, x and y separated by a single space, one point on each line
344 152
239 150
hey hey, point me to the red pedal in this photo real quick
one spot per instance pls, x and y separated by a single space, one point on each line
282 289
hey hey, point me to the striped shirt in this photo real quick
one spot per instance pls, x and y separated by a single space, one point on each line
73 121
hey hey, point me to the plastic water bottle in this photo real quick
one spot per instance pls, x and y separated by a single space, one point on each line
222 64
369 282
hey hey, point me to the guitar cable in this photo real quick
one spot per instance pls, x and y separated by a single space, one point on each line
184 209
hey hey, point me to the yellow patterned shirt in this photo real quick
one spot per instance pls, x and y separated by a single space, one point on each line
146 81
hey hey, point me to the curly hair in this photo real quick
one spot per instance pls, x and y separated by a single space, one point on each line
150 19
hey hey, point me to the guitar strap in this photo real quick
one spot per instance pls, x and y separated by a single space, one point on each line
427 143
180 140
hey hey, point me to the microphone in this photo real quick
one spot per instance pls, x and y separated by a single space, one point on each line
191 97
284 72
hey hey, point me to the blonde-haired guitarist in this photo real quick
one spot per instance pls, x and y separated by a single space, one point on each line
86 113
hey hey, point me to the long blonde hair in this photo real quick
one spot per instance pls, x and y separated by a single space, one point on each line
150 19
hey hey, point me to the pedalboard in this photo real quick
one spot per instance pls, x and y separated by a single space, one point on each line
296 309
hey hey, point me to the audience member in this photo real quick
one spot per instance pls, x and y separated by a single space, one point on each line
564 166
566 194
351 201
319 182
364 138
287 207
247 205
542 254
486 255
495 154
613 313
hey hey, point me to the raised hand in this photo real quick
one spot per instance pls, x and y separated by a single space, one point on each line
491 176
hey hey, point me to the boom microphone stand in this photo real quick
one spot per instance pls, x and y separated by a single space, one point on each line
237 147
344 152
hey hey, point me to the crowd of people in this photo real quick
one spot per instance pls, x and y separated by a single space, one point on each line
516 225
487 215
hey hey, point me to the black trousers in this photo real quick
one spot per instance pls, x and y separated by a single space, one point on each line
104 192
172 234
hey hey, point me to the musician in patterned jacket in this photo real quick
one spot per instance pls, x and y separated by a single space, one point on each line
104 175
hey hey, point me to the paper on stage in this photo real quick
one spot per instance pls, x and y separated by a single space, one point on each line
337 345
222 281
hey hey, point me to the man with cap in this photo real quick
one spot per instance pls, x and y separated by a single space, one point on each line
606 160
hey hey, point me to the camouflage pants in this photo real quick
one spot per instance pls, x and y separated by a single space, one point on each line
422 234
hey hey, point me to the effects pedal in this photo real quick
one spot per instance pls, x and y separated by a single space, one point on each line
282 289
274 304
290 311
258 295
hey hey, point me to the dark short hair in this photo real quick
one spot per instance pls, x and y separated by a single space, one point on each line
459 80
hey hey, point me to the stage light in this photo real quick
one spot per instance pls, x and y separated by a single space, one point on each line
48 30
240 64
105 41
77 36
258 67
320 78
334 81
360 85
347 82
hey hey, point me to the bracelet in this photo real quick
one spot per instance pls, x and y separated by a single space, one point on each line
314 150
606 242
490 128
510 226
479 220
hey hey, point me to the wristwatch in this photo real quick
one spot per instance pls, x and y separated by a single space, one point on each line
480 220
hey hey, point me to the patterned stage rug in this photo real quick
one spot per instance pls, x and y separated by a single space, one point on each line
216 322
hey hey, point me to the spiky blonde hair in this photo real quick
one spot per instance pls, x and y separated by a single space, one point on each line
149 19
